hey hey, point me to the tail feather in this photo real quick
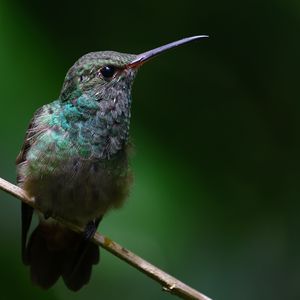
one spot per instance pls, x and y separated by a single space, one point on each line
77 273
52 252
44 264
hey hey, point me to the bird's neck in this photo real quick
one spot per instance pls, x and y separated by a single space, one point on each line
102 126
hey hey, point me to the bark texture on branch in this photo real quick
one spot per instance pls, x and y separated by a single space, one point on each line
168 282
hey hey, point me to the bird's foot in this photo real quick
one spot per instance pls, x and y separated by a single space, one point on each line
89 231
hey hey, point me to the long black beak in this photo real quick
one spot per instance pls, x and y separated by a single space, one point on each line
143 57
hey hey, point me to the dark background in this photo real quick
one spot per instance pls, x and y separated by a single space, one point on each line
215 123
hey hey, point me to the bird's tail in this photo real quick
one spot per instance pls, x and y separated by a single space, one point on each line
53 251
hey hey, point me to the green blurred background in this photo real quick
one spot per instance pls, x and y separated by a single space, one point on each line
215 124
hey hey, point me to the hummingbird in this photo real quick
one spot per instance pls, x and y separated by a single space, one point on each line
74 163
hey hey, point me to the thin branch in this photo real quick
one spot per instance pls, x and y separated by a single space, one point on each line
169 283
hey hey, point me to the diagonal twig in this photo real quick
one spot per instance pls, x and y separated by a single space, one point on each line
168 282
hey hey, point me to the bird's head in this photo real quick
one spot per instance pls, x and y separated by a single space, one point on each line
99 74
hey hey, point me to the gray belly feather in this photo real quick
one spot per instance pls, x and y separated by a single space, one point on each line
82 190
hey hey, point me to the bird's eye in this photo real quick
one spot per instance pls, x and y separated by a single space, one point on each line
108 71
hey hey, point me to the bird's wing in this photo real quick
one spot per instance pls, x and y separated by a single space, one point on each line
26 210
